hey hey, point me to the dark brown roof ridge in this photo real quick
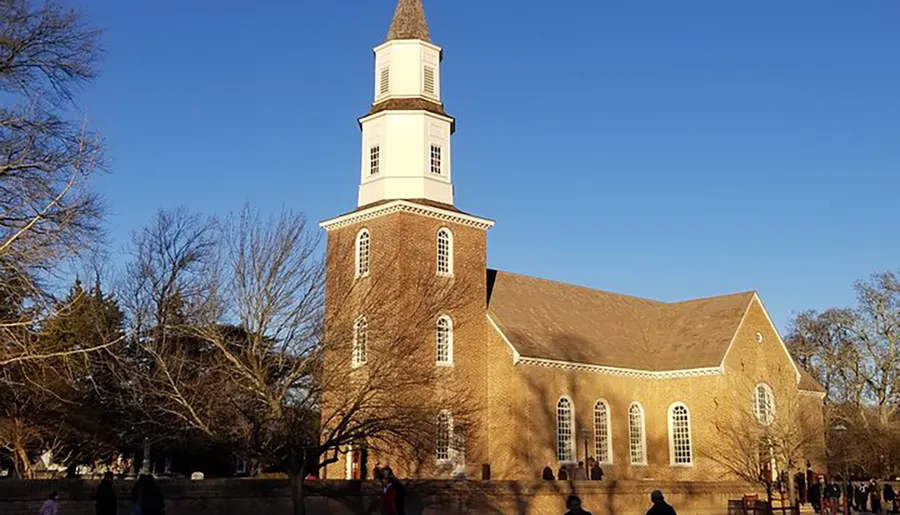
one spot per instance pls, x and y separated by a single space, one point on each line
409 22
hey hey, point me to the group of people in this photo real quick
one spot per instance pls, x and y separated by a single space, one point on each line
864 497
393 494
660 506
146 498
593 472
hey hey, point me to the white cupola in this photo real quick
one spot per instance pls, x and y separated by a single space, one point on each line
406 134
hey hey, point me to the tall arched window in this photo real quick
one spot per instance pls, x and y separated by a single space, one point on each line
363 249
444 339
764 404
444 436
680 452
360 341
444 252
637 442
602 441
565 431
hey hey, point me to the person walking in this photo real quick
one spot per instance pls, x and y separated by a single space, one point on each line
562 475
388 495
573 505
149 497
107 503
580 473
51 505
660 506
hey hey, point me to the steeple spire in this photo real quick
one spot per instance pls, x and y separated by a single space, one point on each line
409 22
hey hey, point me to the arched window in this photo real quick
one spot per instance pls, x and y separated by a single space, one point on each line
360 341
444 340
444 436
363 248
764 404
680 452
444 252
602 442
565 431
637 443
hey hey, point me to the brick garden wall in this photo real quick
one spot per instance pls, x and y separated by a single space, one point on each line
271 497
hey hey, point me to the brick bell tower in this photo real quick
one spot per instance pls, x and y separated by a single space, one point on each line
406 232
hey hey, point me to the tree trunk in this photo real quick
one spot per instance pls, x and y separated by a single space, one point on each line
297 485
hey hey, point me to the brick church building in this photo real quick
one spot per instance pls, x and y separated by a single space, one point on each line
559 373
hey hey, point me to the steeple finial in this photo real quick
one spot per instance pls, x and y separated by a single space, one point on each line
409 22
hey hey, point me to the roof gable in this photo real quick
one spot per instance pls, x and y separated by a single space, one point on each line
555 321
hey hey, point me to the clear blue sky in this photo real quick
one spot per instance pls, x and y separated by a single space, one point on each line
661 149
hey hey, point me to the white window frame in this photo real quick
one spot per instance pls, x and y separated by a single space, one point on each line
643 429
437 340
436 160
758 415
360 357
573 442
449 442
449 271
363 266
374 160
690 438
609 447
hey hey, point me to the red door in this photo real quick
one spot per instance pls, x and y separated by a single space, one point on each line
355 459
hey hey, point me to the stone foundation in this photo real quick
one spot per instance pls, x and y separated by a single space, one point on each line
272 497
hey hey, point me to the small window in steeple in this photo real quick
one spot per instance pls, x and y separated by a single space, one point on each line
374 159
436 160
429 80
385 86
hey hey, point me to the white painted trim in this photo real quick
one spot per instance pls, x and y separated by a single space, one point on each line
516 356
820 395
643 435
736 333
449 459
609 432
386 112
622 372
398 42
406 207
672 436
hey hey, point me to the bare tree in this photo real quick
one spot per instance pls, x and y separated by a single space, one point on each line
47 211
854 353
263 370
772 435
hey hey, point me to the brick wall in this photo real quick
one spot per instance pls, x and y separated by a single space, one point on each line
265 497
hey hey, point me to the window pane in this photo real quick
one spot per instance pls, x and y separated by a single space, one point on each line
601 432
636 434
565 448
681 435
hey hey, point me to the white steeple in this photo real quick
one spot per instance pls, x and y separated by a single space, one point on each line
406 134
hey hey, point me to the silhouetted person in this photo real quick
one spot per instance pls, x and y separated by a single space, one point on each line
106 496
596 472
660 506
51 505
890 498
377 471
148 497
580 474
875 496
388 494
562 475
547 474
815 495
573 504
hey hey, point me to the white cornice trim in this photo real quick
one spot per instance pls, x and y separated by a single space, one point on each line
820 395
622 372
403 206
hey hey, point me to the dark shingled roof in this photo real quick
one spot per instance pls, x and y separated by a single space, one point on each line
409 22
550 320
